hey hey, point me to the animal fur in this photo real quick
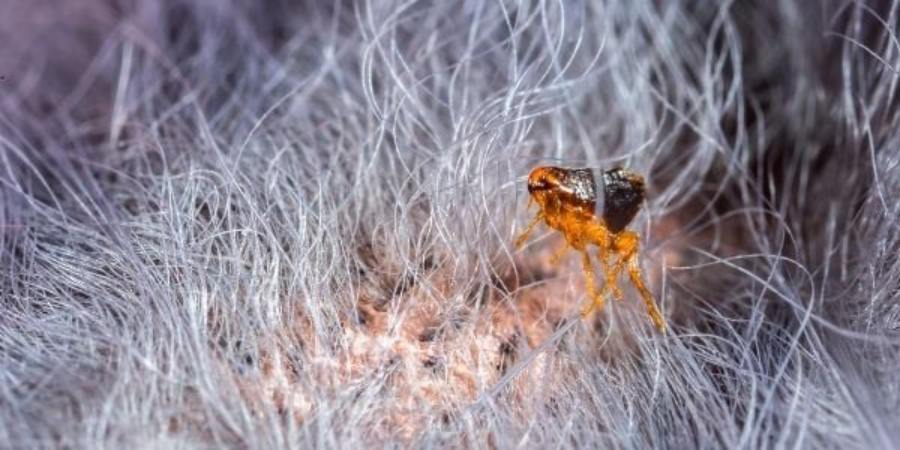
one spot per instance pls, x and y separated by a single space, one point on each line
288 224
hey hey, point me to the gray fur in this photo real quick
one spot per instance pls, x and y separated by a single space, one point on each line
198 198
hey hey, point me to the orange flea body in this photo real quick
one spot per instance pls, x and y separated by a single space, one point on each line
568 201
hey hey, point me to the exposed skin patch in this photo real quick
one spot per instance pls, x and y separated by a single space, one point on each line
568 202
427 378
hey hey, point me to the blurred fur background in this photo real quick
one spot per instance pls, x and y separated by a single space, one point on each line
263 224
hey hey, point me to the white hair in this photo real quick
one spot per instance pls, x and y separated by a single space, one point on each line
282 224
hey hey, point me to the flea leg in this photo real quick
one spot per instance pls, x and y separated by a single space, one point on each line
524 236
596 301
612 277
634 272
603 239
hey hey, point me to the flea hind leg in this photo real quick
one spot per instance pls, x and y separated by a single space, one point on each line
629 250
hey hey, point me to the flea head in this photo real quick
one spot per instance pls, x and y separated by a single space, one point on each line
546 179
558 188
